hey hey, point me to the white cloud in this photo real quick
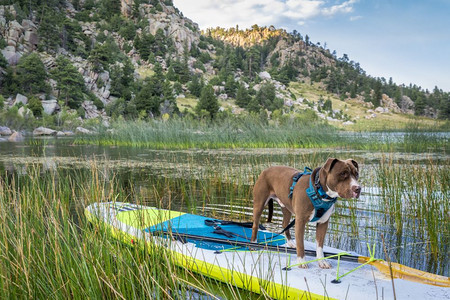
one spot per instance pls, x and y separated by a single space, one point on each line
228 13
345 7
355 18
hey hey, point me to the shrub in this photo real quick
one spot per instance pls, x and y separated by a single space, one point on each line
35 105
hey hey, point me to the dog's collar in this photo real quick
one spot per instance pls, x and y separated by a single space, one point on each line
321 201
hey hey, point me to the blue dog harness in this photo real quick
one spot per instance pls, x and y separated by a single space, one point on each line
315 193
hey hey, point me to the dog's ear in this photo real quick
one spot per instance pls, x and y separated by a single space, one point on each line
354 163
329 164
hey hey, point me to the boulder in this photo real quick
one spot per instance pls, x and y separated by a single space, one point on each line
407 105
126 7
16 137
43 131
389 103
264 75
11 56
106 94
90 110
15 30
83 130
104 76
5 130
218 89
31 39
50 106
69 133
223 97
21 99
381 110
28 24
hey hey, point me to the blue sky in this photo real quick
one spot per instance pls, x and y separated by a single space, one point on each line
406 40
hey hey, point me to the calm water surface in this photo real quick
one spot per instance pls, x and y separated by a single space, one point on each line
220 183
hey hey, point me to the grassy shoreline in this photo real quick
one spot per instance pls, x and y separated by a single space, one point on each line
186 134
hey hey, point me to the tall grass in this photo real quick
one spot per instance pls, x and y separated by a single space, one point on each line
415 199
238 133
186 133
49 251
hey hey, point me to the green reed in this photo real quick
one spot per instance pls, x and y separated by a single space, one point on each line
185 134
237 133
416 196
50 251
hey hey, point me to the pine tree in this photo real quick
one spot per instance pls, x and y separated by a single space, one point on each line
3 62
419 105
376 100
31 74
49 30
242 97
266 97
171 75
122 80
184 74
444 107
110 8
253 105
153 93
100 57
196 86
69 82
230 86
208 102
144 45
252 62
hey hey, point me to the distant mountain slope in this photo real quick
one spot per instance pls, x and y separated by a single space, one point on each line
134 58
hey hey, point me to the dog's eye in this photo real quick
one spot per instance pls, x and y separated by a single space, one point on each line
344 174
356 175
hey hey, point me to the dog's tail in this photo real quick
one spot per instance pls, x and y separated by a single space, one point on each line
270 204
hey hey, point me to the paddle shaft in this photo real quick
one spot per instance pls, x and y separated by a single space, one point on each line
184 236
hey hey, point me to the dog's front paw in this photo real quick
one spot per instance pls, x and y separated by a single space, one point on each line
324 264
302 263
291 244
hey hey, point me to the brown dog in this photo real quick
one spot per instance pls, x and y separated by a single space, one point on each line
337 178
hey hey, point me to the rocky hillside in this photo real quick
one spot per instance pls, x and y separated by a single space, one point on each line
72 61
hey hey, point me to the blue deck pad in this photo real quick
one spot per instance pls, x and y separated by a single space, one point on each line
195 225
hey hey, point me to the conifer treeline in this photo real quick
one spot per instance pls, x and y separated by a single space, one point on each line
156 94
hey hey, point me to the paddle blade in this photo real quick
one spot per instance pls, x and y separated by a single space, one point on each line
407 273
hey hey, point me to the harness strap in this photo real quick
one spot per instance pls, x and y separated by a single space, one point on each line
317 194
319 198
296 178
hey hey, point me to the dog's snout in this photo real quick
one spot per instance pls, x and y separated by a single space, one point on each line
356 189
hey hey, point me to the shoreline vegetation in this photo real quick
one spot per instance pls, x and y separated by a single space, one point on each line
254 133
50 249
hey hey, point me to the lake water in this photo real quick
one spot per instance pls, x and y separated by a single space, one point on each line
218 183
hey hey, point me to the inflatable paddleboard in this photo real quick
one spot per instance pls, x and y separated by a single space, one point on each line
222 250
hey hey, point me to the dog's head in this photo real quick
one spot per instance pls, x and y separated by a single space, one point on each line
339 178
